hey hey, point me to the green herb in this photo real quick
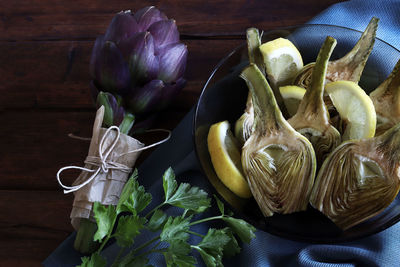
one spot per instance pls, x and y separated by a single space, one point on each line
125 221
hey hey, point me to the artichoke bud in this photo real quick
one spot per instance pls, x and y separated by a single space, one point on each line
147 16
140 51
145 99
244 125
279 163
312 117
359 179
349 67
113 111
386 99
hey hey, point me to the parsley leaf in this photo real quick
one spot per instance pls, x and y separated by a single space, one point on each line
190 198
133 198
157 220
169 183
232 247
211 247
177 254
95 260
105 219
244 230
128 228
175 229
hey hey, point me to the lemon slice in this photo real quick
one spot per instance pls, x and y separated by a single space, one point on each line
282 61
225 157
292 96
355 109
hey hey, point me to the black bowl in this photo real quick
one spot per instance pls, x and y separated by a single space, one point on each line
224 97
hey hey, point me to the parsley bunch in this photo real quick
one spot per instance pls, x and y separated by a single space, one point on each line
125 221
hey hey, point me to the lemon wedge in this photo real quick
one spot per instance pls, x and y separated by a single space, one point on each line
292 96
225 157
355 109
282 61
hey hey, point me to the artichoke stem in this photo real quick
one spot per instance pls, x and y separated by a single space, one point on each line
253 46
127 123
313 100
267 115
357 57
84 242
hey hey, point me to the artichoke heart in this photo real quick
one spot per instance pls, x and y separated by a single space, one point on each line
386 99
349 67
359 179
244 125
312 117
278 162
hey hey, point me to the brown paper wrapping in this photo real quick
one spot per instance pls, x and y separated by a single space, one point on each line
106 187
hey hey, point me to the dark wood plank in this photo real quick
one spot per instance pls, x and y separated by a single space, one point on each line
56 74
36 145
32 225
49 20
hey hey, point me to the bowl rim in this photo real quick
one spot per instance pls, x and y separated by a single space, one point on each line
310 239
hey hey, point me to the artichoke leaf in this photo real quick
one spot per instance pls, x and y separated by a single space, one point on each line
278 162
312 117
359 179
386 99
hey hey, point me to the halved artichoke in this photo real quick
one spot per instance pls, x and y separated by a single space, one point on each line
349 67
312 117
386 99
278 162
359 179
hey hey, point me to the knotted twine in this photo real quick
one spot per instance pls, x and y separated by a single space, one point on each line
109 162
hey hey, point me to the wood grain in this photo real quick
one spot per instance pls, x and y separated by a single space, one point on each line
54 20
32 225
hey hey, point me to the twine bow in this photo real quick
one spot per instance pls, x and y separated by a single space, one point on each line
102 161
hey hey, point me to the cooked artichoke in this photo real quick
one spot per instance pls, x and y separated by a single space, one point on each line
312 117
386 99
349 67
278 162
244 125
359 179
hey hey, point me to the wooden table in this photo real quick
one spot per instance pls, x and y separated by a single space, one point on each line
45 49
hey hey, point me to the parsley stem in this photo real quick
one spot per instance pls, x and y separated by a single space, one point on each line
117 259
194 233
156 245
206 220
145 245
161 250
107 237
132 253
153 210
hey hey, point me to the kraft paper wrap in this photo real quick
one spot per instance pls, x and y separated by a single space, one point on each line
106 187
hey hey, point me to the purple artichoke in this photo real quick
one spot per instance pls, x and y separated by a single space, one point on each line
140 58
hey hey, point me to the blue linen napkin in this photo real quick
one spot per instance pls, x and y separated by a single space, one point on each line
266 249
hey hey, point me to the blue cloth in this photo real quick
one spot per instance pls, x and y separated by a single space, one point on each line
267 250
